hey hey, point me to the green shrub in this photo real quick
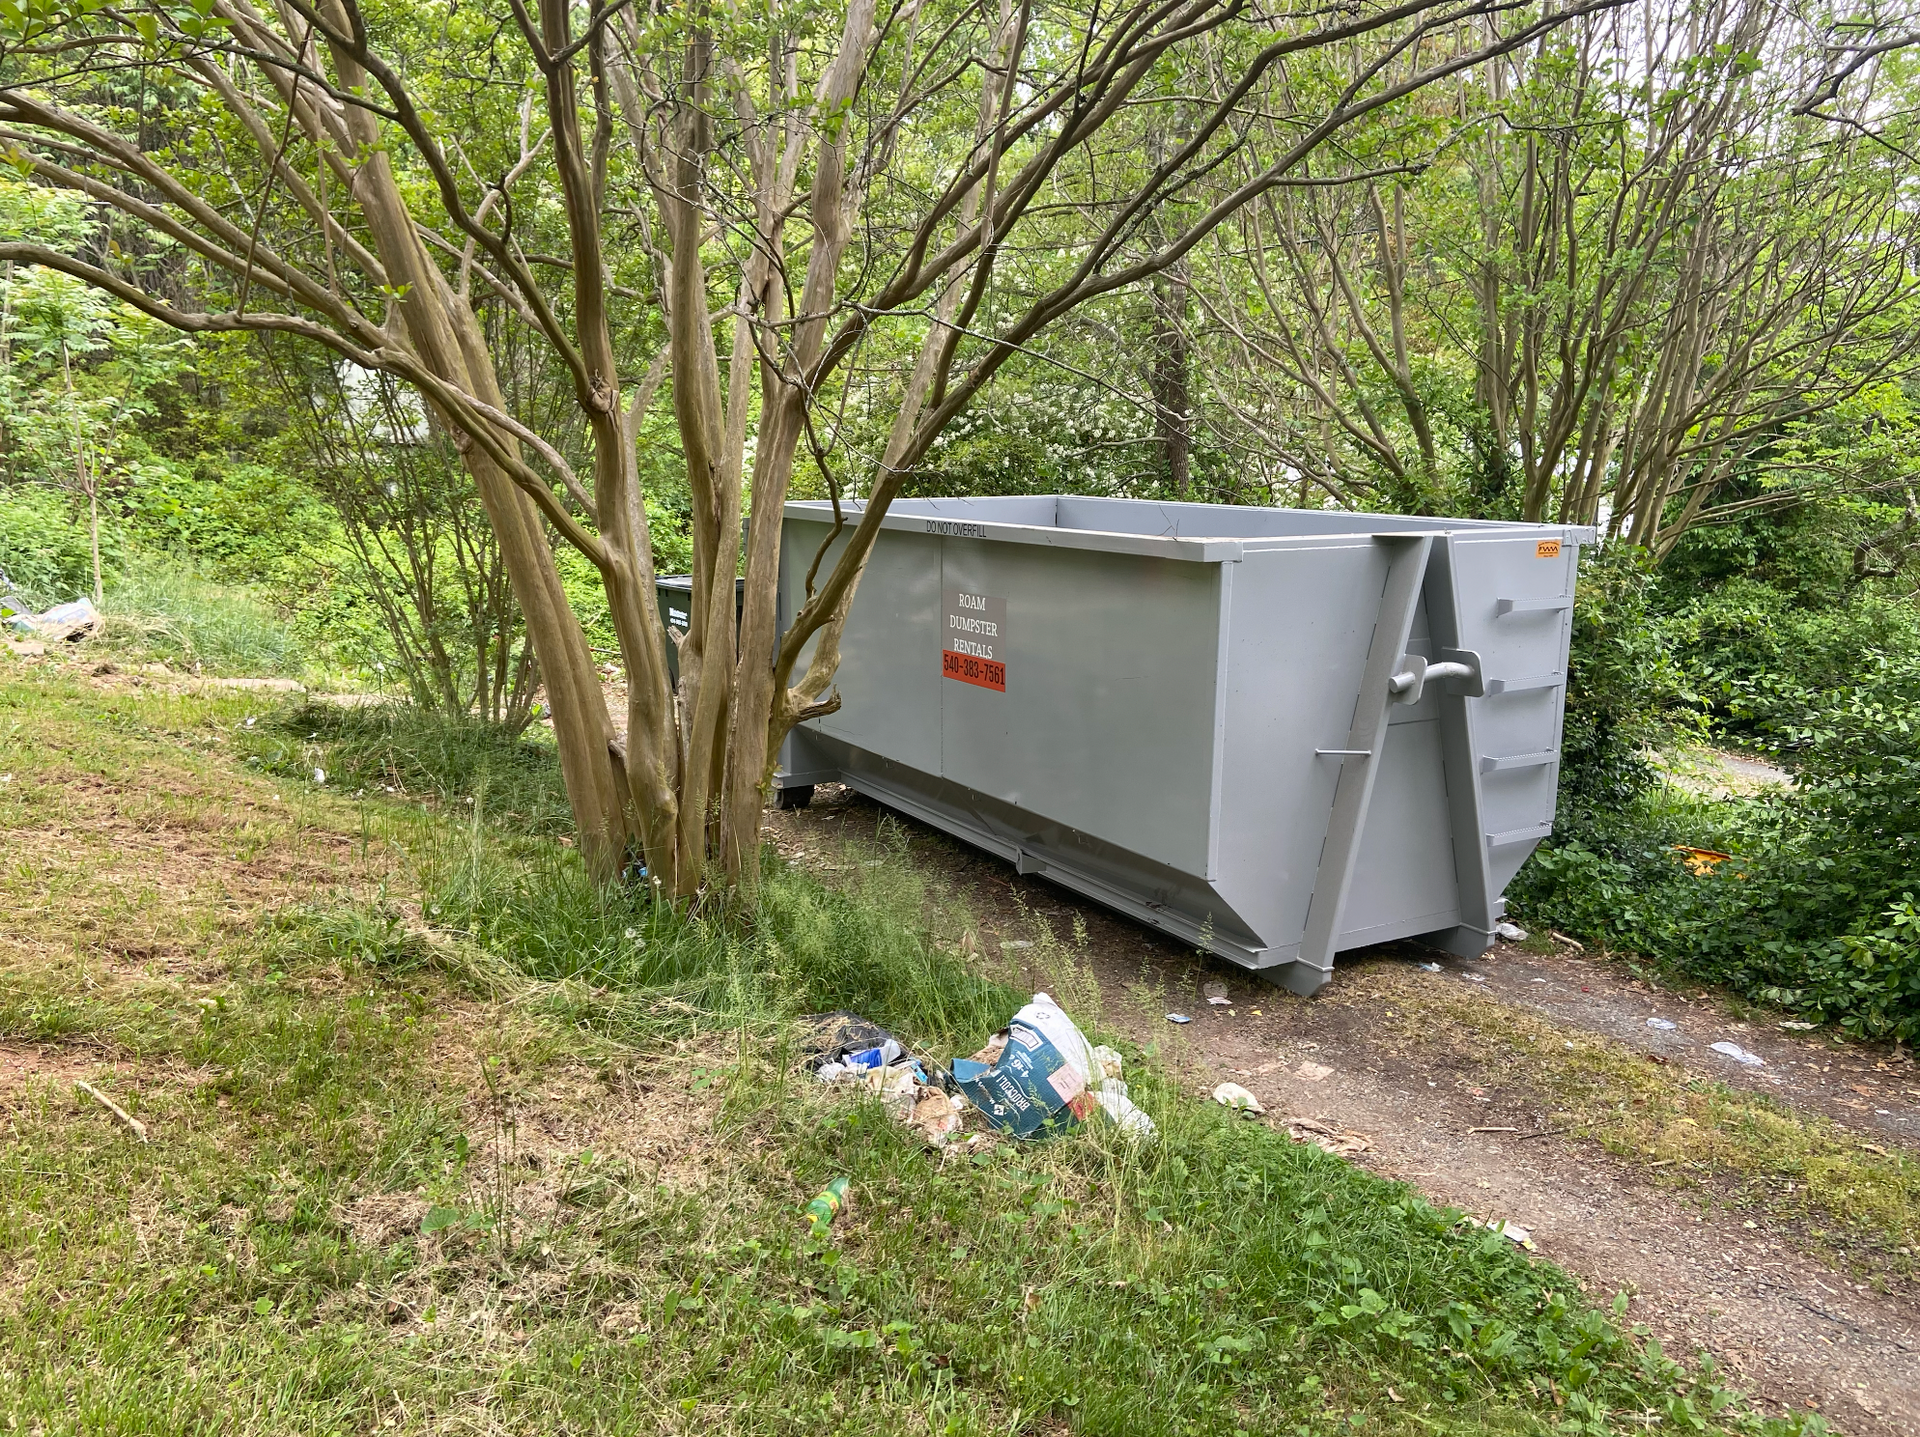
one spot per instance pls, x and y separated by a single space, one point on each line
1745 632
1622 683
1816 910
44 547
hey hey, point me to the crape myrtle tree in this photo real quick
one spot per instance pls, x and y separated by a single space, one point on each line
804 224
1608 303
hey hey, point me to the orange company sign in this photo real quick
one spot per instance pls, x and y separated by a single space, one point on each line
973 639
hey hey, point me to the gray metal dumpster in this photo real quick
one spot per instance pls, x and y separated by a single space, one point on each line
1275 734
674 594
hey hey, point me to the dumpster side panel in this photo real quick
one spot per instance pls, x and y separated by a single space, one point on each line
1106 721
889 686
1301 621
1404 881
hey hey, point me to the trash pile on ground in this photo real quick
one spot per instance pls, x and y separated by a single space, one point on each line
62 621
1036 1077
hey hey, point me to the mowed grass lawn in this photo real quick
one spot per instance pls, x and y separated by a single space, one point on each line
440 1138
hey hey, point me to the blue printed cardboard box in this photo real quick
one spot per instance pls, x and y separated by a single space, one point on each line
1030 1086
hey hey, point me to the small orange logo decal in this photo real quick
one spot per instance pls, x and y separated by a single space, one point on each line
1547 549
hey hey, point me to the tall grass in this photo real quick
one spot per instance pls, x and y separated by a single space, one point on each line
399 749
160 610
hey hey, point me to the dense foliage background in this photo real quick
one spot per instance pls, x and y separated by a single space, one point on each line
1672 298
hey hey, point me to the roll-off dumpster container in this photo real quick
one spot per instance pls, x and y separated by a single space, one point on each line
1276 734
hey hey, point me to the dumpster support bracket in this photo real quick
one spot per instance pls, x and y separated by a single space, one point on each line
1353 790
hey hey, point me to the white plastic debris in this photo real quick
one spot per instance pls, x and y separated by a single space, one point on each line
1475 977
1521 1236
1232 1095
1737 1053
1798 1027
1178 1018
1217 995
1428 967
62 621
1665 1025
1512 932
319 775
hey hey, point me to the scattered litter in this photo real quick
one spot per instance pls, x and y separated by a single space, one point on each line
845 1050
881 1055
1216 994
1428 967
1313 1072
62 621
1039 1073
827 1204
1700 861
832 1036
1332 1140
139 1128
1475 977
1513 1231
1737 1053
1539 980
1799 1027
1178 1018
319 775
1512 932
1665 1025
1232 1095
934 1116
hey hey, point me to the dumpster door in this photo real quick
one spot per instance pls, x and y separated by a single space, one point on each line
1512 604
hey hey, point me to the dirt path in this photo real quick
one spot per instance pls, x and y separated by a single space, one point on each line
1700 1275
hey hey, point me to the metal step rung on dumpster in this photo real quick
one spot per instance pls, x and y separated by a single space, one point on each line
1525 686
1519 835
1533 606
1513 761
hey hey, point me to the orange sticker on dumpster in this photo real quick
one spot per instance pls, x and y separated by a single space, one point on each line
973 639
1547 549
969 670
